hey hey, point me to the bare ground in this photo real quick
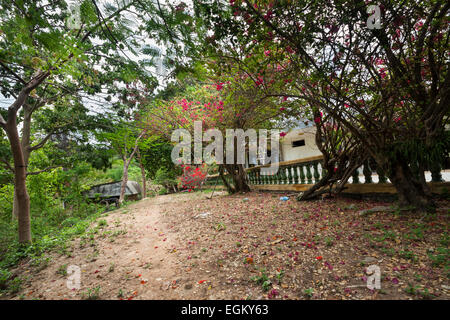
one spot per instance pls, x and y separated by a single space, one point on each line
251 246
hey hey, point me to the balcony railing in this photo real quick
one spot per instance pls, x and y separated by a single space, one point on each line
301 171
301 174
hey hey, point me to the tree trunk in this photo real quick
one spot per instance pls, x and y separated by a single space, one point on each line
410 190
15 209
423 181
20 169
126 164
20 174
318 188
25 143
239 177
144 183
123 187
230 189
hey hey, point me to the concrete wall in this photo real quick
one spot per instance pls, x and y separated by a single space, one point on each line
310 149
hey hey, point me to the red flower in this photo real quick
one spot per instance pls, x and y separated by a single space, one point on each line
282 134
319 258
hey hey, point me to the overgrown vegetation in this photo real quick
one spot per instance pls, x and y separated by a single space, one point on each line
59 213
76 112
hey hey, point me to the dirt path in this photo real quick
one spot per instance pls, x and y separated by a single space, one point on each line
129 257
251 246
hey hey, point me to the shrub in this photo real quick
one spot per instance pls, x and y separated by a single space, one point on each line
193 176
6 201
4 277
70 222
8 284
165 178
162 191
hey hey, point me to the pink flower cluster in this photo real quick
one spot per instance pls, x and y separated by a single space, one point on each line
192 176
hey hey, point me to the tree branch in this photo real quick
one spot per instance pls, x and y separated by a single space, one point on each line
43 141
2 121
7 165
40 171
24 93
136 145
12 72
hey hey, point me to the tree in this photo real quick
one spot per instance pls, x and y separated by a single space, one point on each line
388 87
125 141
144 179
156 154
232 103
42 61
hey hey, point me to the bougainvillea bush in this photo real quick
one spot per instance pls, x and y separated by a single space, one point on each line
193 176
